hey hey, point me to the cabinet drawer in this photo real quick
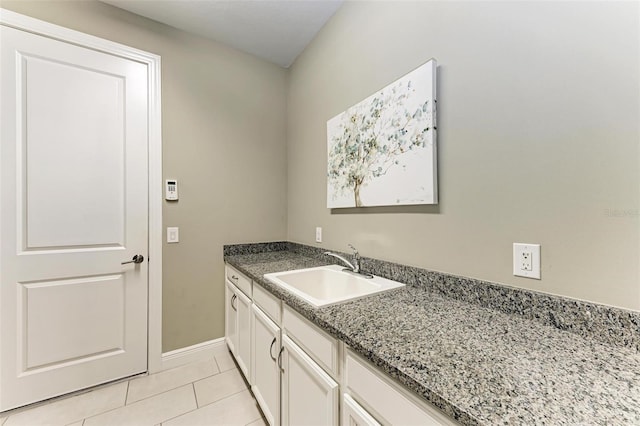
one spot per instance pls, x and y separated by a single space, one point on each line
270 304
320 346
388 402
239 280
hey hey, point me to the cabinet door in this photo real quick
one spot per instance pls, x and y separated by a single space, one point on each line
264 366
243 349
309 395
231 318
354 415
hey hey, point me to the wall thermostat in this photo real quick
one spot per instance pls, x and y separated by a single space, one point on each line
171 190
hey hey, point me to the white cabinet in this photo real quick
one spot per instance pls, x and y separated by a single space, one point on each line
386 400
238 280
270 305
309 394
319 345
243 351
231 318
297 371
238 324
264 364
290 387
354 415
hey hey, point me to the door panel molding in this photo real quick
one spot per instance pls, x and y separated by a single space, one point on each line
153 67
48 305
46 221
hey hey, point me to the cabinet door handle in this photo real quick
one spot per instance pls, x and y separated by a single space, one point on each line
271 349
234 278
234 297
280 359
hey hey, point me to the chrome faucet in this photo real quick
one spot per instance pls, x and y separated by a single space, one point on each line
355 266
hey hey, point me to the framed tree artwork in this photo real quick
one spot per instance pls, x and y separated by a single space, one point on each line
382 151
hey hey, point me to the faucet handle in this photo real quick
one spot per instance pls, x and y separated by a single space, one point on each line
356 259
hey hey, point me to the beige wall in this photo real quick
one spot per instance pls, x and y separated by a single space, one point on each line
538 139
538 143
224 115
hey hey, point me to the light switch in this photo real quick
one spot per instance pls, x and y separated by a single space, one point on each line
173 235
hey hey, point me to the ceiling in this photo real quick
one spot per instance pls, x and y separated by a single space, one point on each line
274 30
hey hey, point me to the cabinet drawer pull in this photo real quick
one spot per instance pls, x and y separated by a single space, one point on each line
280 359
233 277
271 349
234 297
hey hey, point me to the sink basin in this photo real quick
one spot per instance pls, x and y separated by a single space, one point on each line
328 285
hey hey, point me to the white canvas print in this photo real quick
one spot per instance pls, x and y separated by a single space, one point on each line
382 151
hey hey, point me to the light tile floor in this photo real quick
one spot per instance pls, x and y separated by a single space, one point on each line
210 392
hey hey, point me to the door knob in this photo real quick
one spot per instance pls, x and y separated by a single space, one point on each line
138 258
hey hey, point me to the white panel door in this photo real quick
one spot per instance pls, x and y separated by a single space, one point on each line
309 394
73 191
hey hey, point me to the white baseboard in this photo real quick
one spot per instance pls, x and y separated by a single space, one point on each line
198 352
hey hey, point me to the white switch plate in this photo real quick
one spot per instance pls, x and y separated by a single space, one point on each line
173 235
526 260
318 234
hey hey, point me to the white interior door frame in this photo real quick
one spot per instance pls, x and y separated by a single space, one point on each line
152 61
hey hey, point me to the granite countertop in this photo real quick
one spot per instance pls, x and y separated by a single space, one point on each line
477 364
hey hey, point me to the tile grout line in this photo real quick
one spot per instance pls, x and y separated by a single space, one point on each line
201 379
206 405
135 402
195 396
179 415
198 406
228 396
104 412
215 364
169 390
186 412
254 420
126 394
66 398
215 359
159 393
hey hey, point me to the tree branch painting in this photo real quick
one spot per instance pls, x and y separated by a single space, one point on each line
382 151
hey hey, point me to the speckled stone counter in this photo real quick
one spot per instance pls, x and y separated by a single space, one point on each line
476 360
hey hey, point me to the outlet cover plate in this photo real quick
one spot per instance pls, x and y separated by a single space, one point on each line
526 260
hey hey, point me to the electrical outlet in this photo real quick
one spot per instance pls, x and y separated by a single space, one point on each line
318 234
526 260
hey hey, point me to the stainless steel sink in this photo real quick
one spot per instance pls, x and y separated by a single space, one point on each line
328 285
